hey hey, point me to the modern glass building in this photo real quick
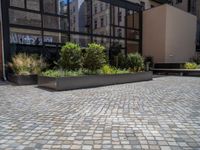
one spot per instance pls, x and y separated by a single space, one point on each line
43 26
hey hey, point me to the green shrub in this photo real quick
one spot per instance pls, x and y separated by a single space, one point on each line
70 57
135 62
191 65
65 73
106 69
62 73
52 73
94 57
122 71
24 64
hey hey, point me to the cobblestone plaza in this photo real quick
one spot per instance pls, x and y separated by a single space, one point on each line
160 114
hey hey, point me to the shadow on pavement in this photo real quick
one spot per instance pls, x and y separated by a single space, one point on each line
2 83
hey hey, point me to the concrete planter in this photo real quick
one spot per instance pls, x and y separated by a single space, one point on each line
23 79
71 83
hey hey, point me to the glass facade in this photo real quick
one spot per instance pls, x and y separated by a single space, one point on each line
51 23
1 61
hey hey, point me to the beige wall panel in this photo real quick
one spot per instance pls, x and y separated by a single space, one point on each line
180 35
154 25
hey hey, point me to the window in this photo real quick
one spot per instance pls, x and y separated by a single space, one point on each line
102 22
132 46
55 37
95 9
62 7
24 18
101 40
33 4
24 36
53 22
74 19
95 24
80 39
101 6
119 32
17 3
74 9
120 16
136 21
49 6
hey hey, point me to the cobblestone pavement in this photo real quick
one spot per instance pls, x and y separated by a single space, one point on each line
160 114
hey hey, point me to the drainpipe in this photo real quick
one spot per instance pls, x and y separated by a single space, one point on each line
2 48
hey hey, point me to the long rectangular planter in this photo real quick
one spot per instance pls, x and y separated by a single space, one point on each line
71 83
23 79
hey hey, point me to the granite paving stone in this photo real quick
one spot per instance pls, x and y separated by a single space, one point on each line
162 114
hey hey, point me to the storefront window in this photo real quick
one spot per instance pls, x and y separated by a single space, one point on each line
33 4
81 40
132 46
24 18
103 41
49 6
17 3
55 37
80 21
24 36
54 22
62 7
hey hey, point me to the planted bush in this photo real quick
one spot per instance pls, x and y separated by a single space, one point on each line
93 61
106 69
191 65
135 62
94 57
70 57
24 64
62 73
